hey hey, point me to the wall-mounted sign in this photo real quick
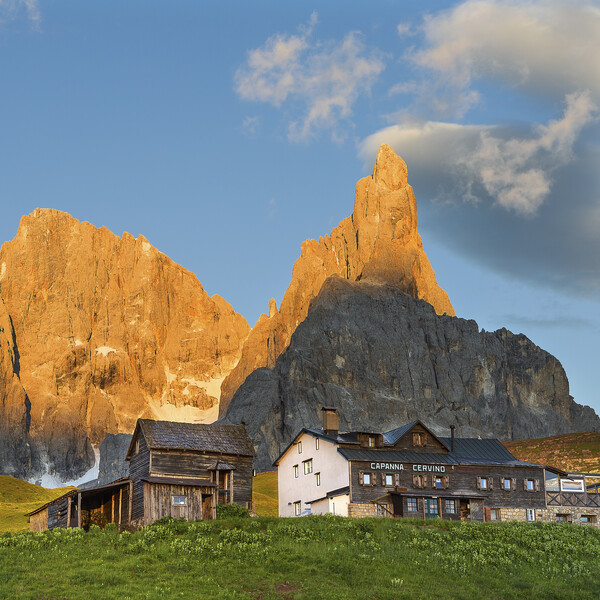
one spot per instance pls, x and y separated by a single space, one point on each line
572 485
375 466
430 468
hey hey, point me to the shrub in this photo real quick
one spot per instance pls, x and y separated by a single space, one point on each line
224 511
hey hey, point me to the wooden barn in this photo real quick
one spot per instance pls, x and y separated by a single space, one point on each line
181 470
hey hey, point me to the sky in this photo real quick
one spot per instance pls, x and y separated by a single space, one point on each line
229 132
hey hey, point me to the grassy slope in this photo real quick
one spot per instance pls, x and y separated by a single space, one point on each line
574 452
320 557
264 494
18 497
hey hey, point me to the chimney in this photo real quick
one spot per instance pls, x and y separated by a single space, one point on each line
331 421
452 428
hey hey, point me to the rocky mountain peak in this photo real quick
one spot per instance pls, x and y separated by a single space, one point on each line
379 242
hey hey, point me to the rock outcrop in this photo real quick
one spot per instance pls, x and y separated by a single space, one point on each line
379 242
384 358
96 331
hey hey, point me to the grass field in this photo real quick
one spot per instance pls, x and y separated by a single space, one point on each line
574 452
18 497
320 557
264 494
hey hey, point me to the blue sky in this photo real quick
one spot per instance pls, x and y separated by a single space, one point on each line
229 132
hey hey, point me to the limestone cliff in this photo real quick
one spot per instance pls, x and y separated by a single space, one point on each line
379 242
96 331
384 358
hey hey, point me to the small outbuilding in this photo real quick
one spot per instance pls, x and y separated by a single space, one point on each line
182 470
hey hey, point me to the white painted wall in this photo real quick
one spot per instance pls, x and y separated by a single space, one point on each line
326 460
336 506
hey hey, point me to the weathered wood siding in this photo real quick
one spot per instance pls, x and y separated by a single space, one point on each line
139 467
57 514
159 501
462 482
432 445
195 464
39 521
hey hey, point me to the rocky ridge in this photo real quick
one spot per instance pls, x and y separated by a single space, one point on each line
97 330
384 358
379 242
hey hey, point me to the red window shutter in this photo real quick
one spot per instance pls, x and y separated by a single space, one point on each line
487 514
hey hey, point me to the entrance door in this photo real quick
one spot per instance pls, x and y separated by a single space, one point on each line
431 508
465 511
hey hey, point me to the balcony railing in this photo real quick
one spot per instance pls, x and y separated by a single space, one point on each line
573 499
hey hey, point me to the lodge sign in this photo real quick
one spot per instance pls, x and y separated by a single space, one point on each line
377 466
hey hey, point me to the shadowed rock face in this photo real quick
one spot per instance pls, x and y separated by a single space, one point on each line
379 242
384 358
96 331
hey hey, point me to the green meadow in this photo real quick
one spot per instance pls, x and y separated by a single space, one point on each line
321 557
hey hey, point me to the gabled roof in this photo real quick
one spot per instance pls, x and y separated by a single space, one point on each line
199 437
392 437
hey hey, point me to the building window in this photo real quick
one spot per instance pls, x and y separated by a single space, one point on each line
530 514
506 484
587 519
371 441
411 504
431 506
530 485
137 446
316 443
366 479
308 466
563 518
179 500
389 479
295 470
450 507
494 514
439 482
299 447
318 478
419 439
297 508
483 483
419 481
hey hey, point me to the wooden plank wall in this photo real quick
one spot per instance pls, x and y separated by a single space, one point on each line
159 502
39 521
462 482
194 464
57 514
139 466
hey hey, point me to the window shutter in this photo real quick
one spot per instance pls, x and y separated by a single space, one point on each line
383 479
433 477
487 514
490 483
536 485
415 481
396 479
513 483
415 439
361 478
425 480
424 439
374 479
525 484
446 482
479 483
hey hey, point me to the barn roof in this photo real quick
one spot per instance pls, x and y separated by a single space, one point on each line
199 437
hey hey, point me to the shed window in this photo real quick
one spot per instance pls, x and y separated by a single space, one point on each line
411 504
179 500
450 507
297 508
308 466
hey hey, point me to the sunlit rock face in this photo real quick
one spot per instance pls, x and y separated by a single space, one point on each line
97 330
379 242
384 359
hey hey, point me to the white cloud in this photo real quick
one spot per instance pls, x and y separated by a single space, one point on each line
326 78
514 171
549 47
250 125
12 9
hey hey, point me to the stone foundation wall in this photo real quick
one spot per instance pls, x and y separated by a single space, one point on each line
548 515
362 510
